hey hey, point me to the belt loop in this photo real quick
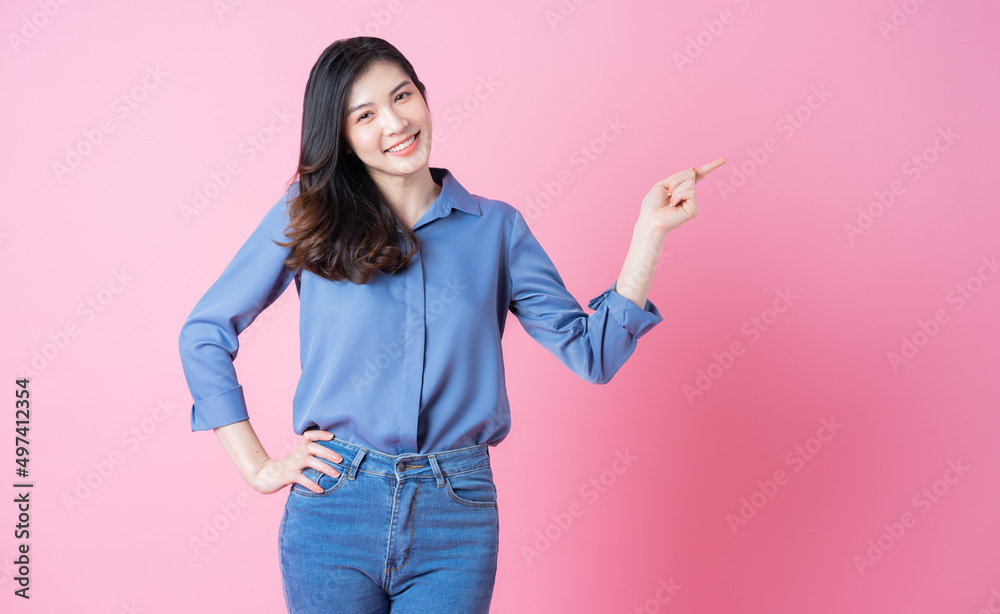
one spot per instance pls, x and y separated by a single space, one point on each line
437 470
357 462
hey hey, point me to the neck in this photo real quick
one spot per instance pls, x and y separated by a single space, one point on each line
410 196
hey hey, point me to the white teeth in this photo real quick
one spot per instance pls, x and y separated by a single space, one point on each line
402 146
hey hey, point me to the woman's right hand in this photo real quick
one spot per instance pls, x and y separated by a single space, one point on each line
275 474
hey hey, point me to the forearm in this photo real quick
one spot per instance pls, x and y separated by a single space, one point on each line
636 275
243 447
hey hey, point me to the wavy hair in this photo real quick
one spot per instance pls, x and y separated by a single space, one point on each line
340 225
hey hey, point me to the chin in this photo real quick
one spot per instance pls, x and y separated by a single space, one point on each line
414 162
401 167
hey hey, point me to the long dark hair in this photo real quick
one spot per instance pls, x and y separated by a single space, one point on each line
340 226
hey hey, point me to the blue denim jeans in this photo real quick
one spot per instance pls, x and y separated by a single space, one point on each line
407 534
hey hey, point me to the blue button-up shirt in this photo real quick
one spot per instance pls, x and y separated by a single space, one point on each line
409 362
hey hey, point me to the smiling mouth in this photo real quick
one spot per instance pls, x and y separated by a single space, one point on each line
404 144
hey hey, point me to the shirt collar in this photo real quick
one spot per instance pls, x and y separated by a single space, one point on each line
453 194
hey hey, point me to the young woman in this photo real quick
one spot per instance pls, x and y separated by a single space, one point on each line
404 281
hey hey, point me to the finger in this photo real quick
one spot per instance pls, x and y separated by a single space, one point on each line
318 435
666 185
331 456
319 465
681 179
330 470
318 449
677 181
681 184
705 169
307 483
690 206
681 195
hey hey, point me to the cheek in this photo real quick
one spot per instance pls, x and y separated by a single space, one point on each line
364 141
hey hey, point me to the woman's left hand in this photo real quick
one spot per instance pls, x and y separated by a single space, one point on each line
672 202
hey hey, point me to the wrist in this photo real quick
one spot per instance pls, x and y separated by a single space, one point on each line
256 476
261 466
646 231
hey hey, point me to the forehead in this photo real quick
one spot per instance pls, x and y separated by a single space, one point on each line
379 79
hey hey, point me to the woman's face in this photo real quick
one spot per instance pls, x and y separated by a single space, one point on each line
386 109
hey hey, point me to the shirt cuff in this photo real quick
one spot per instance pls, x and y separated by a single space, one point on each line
219 409
636 321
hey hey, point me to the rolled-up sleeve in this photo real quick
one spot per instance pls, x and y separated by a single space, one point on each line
593 346
209 338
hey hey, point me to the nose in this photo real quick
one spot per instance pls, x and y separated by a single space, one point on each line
394 123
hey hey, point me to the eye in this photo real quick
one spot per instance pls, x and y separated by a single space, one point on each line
362 116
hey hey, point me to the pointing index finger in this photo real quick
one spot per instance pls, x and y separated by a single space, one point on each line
705 169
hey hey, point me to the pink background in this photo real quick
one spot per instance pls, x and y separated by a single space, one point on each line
111 394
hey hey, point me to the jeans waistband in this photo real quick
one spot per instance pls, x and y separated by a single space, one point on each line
435 465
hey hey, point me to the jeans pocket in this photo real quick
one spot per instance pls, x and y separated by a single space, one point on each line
327 483
473 488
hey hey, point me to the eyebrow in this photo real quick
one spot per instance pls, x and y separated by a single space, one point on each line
365 104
